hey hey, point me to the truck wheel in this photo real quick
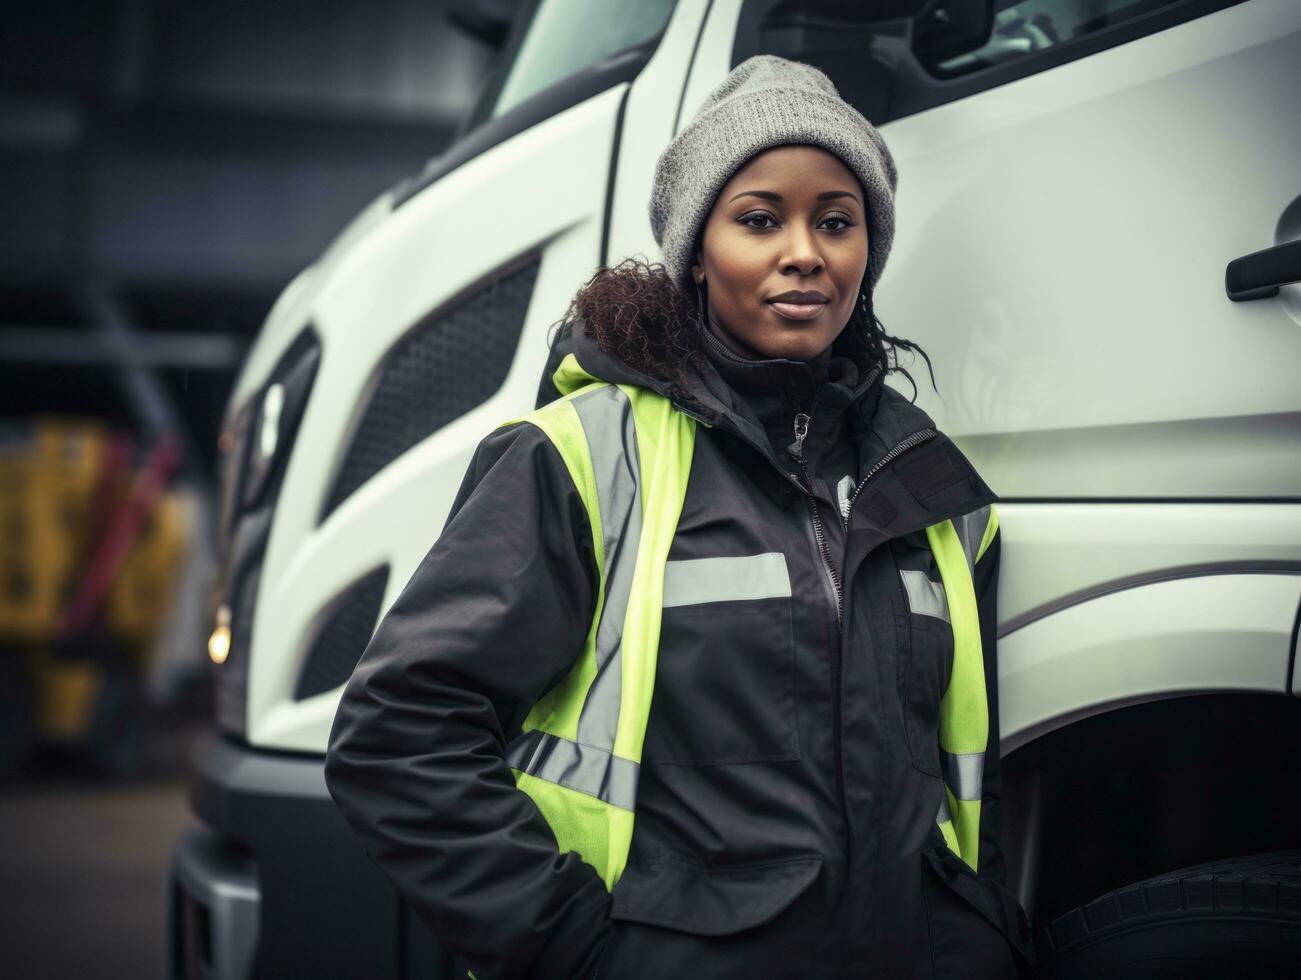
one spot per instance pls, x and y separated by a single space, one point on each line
1239 917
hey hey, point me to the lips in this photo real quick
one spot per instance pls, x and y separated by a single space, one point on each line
796 305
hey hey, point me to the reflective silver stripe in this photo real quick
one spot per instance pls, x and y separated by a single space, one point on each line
585 768
925 597
971 529
699 580
944 808
964 774
606 414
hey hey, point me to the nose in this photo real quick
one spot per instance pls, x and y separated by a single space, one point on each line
800 254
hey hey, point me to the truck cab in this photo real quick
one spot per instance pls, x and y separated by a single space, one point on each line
1076 180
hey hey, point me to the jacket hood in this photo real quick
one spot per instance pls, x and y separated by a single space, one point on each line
575 360
589 364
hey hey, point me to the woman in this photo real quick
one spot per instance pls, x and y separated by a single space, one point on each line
778 806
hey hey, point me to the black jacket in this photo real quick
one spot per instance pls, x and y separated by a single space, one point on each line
790 776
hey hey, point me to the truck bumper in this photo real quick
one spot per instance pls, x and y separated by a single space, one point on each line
213 909
276 885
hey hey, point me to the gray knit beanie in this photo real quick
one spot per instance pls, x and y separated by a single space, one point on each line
766 101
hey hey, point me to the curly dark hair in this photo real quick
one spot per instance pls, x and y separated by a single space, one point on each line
636 312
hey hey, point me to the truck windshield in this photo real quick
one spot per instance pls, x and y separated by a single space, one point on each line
563 37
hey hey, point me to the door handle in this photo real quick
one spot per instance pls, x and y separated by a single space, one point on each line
1258 275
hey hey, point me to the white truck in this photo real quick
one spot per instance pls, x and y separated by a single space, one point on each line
1099 225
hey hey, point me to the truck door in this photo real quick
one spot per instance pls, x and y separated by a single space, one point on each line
1070 195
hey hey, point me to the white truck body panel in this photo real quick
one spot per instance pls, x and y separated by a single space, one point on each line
1060 255
540 190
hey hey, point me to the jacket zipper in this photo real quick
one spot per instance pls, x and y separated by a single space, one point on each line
797 453
796 450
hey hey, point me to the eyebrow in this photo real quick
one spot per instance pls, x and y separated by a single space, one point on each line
773 196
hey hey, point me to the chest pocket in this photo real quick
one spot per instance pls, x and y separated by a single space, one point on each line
925 648
725 674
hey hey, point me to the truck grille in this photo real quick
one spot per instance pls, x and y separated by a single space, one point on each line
442 368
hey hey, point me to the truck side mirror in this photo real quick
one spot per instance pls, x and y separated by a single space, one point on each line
945 29
939 29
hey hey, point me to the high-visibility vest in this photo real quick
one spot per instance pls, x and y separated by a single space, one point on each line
578 756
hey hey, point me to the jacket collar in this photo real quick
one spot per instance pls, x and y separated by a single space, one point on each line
926 482
705 395
771 392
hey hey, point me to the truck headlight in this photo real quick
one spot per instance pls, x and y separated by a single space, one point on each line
261 444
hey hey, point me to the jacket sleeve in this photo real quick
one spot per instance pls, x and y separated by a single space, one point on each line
990 862
494 615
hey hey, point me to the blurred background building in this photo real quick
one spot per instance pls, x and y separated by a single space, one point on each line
165 169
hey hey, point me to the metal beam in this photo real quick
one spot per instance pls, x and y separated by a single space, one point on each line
72 346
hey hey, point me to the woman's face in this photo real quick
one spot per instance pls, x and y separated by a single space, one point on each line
791 220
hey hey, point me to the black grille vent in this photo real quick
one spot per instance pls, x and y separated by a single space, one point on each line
343 636
439 371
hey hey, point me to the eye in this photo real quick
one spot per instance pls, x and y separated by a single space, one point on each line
844 222
746 219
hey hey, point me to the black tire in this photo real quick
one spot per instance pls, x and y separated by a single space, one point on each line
1239 917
